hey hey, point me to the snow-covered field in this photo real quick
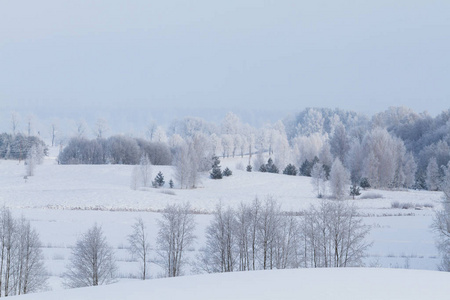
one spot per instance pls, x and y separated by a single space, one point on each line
63 201
336 284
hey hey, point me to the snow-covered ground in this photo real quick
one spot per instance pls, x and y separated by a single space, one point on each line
336 284
63 201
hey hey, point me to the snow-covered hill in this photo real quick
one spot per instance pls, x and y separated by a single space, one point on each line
63 201
336 284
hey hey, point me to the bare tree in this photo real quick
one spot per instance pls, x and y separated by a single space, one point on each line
101 127
92 261
175 236
14 123
21 262
53 131
30 274
220 253
140 246
333 236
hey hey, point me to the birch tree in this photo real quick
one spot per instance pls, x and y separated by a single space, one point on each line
175 236
140 246
92 262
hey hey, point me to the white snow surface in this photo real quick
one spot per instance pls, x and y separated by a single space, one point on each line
63 201
336 284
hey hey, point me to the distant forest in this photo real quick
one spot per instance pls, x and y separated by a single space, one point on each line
397 148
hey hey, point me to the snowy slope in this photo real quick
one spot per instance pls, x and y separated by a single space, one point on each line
62 202
336 284
108 187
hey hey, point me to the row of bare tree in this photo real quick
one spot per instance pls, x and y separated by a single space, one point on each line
261 236
21 261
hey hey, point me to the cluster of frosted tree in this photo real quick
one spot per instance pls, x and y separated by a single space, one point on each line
260 236
21 260
18 146
397 142
116 149
382 159
427 138
441 222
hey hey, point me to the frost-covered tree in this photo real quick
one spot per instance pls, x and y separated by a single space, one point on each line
355 161
34 157
175 236
142 173
441 223
140 247
182 166
339 179
92 261
258 161
227 145
319 179
433 179
325 156
339 143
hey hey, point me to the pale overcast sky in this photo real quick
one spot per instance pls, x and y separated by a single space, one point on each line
234 54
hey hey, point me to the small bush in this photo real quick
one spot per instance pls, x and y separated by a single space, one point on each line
371 196
395 204
428 205
249 168
168 192
402 205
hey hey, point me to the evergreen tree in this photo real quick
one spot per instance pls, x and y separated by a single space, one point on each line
364 183
263 168
159 179
354 191
249 168
271 167
305 168
227 172
216 173
290 170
